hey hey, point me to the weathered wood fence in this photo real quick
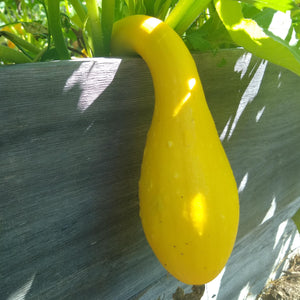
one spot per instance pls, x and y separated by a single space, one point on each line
71 144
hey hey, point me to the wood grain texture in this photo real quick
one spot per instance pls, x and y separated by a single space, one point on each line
71 144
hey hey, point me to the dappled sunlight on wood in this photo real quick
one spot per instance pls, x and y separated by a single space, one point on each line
20 293
243 183
249 94
260 113
90 84
270 213
242 66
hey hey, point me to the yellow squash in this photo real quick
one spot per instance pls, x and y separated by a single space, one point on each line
188 196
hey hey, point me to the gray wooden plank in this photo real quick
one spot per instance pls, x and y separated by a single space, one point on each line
72 138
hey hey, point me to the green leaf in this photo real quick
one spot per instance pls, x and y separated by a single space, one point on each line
135 7
264 19
280 5
19 42
8 55
295 15
121 10
50 54
198 41
259 41
185 13
212 35
35 28
149 6
296 219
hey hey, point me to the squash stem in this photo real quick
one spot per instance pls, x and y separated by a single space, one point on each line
96 30
185 13
80 10
108 14
55 29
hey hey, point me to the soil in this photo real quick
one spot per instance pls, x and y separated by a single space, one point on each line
287 287
196 294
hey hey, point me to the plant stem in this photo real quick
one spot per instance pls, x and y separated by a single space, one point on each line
108 14
55 29
20 42
164 9
96 30
25 18
80 10
24 11
39 55
131 7
8 55
185 13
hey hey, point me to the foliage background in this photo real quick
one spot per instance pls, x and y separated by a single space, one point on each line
41 30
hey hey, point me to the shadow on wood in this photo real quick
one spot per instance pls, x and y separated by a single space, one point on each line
72 139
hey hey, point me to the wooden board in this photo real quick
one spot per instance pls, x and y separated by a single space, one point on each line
71 144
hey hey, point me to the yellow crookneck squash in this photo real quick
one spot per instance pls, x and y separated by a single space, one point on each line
188 196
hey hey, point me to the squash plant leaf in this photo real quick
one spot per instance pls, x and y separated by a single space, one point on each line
295 15
258 36
284 33
36 28
280 5
296 219
212 35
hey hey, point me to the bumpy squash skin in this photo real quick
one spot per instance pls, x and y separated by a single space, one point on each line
188 196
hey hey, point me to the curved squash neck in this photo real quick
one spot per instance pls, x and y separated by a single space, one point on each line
172 67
